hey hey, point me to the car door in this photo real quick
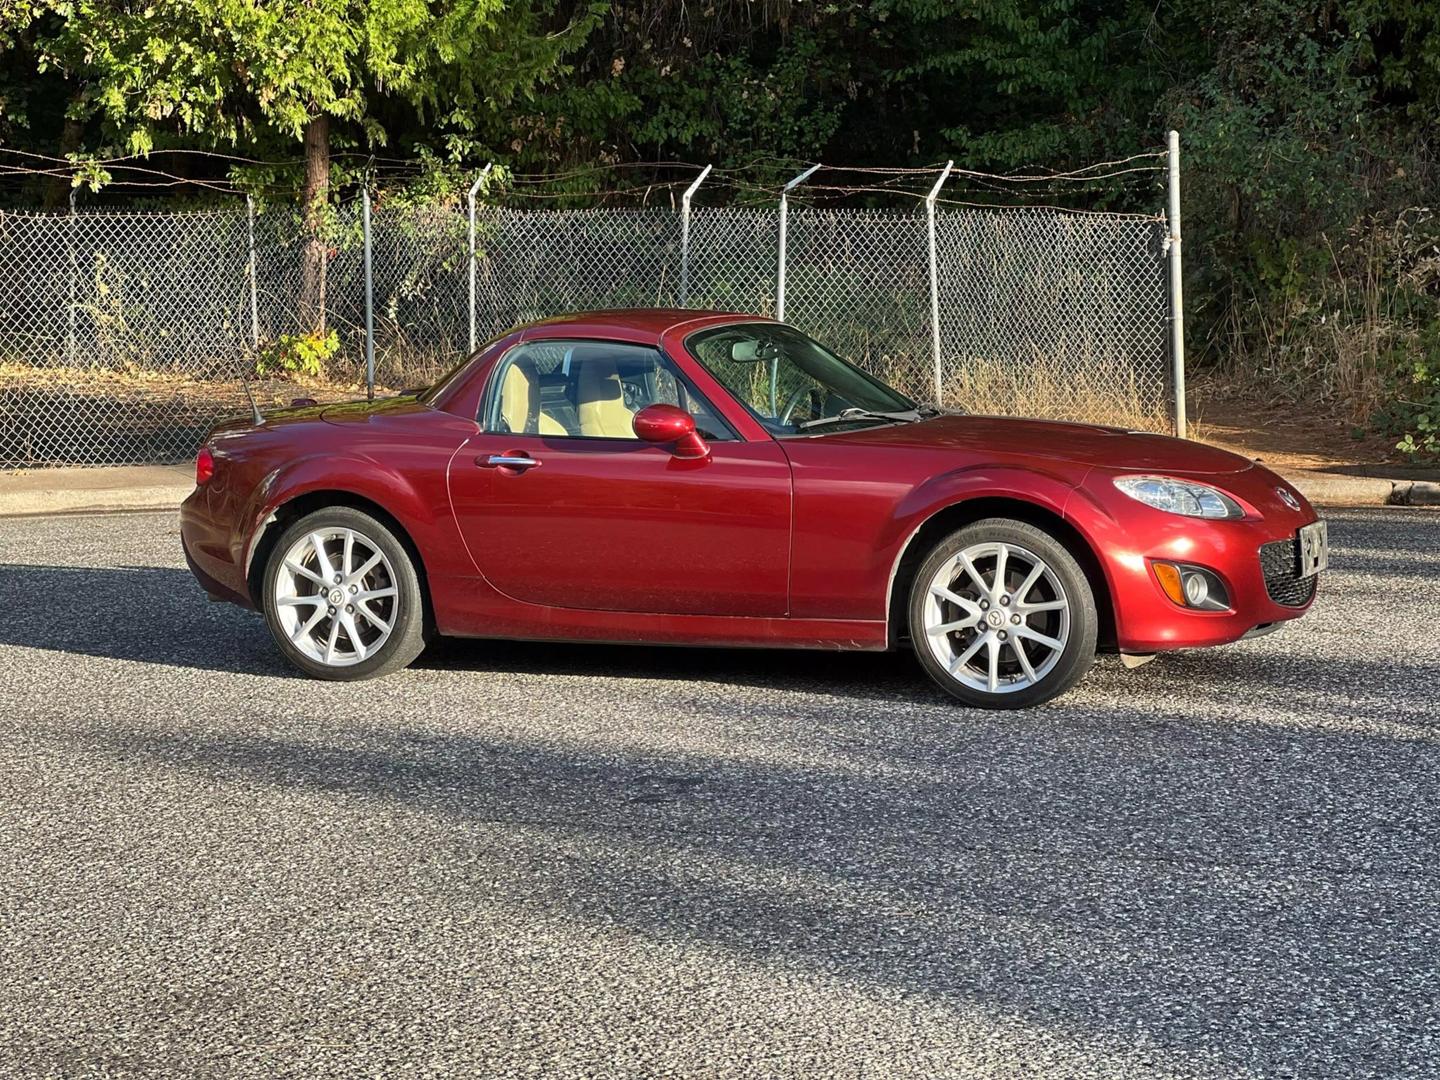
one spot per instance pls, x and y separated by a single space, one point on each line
561 504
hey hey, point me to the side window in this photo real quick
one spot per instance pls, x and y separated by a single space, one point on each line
589 389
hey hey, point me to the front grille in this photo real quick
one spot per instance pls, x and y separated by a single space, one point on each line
1280 563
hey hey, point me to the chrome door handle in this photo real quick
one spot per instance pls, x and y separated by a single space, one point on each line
507 461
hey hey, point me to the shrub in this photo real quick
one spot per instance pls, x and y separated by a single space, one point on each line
1414 415
298 354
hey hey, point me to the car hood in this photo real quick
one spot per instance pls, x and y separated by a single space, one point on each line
1083 444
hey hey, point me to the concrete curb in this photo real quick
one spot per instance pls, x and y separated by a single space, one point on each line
1339 489
94 491
1342 489
1415 493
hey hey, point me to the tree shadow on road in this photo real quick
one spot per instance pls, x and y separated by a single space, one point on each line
1252 905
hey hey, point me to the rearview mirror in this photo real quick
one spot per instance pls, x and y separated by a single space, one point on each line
667 424
753 351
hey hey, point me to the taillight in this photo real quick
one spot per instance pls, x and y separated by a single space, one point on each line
204 466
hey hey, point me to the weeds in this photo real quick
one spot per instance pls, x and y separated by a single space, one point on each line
1100 390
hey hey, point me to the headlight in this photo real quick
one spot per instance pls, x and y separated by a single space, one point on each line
1179 496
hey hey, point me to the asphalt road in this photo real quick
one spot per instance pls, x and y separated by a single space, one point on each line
554 860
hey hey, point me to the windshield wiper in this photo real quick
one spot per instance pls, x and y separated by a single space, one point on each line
909 416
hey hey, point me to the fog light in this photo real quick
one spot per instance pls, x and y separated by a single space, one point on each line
1197 589
1192 586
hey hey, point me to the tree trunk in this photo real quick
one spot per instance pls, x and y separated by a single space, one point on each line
315 198
72 133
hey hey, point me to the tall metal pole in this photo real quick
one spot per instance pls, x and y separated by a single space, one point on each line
685 235
369 301
1177 300
470 200
935 281
250 270
74 275
784 219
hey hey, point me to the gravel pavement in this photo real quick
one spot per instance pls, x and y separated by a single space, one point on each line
591 861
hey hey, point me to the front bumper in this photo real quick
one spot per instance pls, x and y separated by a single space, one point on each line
1253 556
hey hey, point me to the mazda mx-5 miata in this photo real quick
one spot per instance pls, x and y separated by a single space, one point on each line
691 478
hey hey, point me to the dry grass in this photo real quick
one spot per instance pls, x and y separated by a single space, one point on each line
1047 388
183 390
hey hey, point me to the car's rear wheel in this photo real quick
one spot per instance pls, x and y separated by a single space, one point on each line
1002 616
342 597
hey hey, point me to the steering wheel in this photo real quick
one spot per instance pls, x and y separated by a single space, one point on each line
790 404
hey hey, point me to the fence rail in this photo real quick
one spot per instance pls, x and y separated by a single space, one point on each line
124 335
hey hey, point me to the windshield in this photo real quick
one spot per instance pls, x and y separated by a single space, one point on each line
789 382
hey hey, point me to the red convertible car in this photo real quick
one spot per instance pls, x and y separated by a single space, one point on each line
681 477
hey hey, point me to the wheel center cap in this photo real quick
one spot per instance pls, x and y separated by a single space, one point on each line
996 618
337 597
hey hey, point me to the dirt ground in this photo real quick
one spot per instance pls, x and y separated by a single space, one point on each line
1284 435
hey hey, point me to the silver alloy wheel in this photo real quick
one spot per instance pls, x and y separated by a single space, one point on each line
996 617
336 596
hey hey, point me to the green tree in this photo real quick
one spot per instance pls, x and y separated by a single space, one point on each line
260 72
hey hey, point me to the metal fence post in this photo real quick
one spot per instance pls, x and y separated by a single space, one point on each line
74 284
470 203
1177 300
369 301
251 271
784 218
935 280
685 235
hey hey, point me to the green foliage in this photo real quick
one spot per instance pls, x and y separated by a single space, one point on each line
1035 81
298 354
1414 414
243 73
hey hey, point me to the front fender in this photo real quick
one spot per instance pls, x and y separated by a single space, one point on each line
1049 490
850 543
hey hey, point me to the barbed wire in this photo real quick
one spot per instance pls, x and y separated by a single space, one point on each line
755 180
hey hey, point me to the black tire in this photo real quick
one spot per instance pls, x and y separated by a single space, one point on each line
407 633
1055 673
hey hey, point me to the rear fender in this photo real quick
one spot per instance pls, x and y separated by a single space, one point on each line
349 474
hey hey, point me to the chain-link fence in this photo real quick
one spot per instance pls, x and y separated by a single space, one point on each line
124 336
1054 313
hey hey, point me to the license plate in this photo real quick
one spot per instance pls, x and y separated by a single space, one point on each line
1314 549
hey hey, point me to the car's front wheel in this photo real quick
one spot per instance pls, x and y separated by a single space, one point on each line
342 597
1002 616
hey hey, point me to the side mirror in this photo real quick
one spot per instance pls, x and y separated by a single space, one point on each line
667 424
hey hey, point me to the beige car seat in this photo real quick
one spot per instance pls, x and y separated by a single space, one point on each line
520 402
601 400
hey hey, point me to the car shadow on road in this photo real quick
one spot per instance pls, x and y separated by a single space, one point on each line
156 615
151 614
861 675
